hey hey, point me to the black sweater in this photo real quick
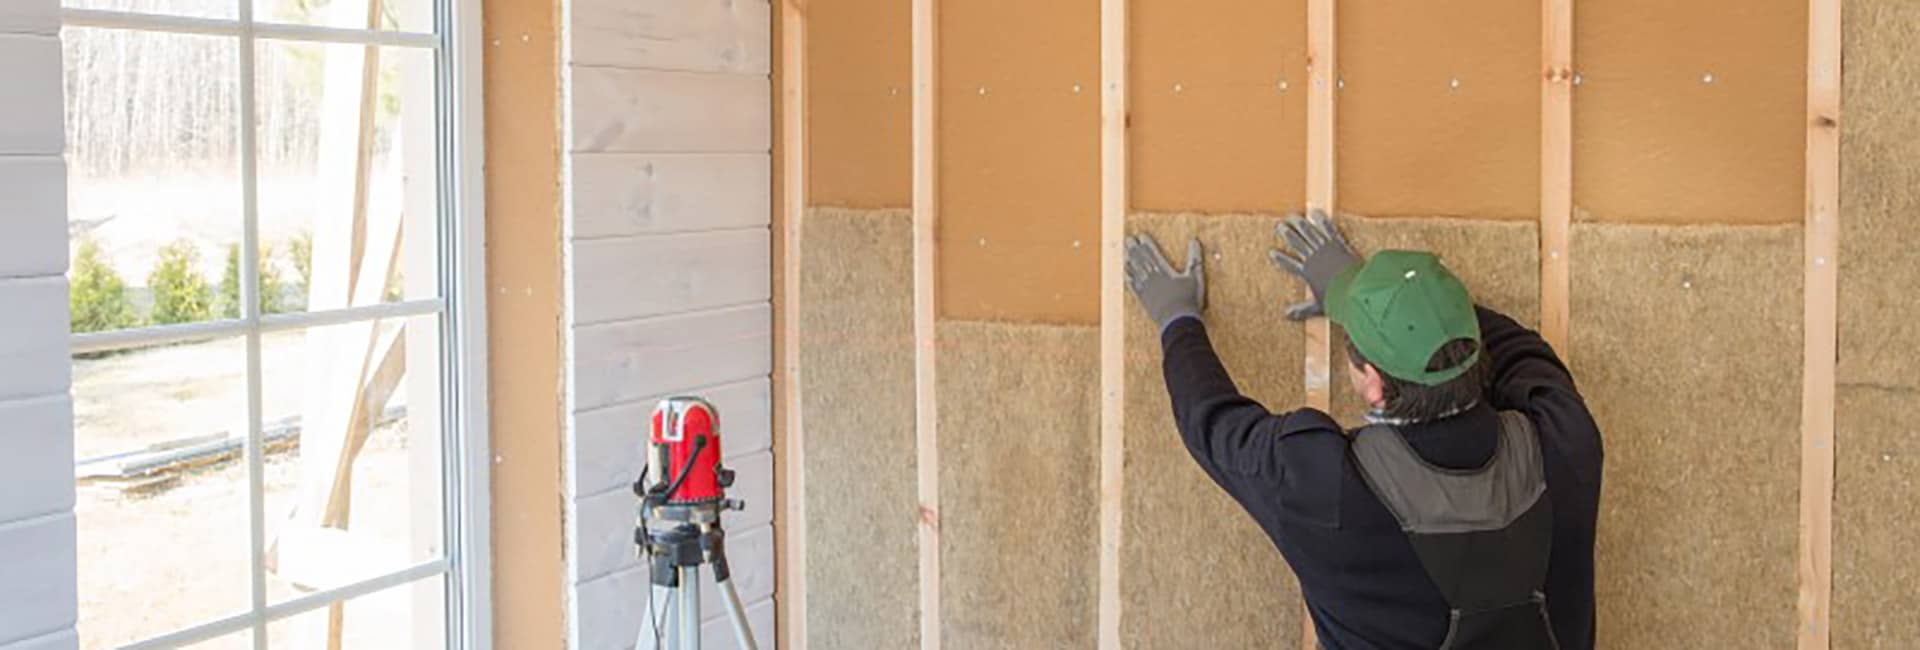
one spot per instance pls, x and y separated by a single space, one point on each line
1293 473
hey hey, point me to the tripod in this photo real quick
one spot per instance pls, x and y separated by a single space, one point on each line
675 539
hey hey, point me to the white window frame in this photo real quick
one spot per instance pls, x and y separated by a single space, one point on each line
465 441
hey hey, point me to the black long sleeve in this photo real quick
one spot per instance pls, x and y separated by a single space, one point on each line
1234 438
1529 377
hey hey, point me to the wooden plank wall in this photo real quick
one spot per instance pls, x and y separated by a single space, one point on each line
37 533
668 121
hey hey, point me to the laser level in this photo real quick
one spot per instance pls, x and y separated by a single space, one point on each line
682 493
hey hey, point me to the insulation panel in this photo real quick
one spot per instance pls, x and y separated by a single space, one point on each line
1689 356
1876 448
1690 112
856 366
1019 172
1439 108
859 101
1217 106
1019 484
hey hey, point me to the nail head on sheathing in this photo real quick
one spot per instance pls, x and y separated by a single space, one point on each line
1706 78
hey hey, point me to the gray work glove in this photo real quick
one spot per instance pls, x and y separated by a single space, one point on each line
1167 295
1316 253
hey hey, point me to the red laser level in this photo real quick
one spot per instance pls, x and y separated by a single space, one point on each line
683 454
682 494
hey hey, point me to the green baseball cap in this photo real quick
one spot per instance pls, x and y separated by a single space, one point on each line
1399 308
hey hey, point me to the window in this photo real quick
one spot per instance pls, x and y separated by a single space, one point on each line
279 368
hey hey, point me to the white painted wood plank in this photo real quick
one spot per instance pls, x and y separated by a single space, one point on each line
601 535
610 610
618 110
656 275
603 523
33 216
36 457
628 360
753 484
30 16
63 640
33 337
697 35
31 108
608 442
37 567
636 194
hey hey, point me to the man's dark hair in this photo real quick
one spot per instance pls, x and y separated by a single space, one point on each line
1418 403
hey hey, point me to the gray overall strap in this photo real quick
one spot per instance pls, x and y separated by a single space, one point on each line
1484 535
1429 499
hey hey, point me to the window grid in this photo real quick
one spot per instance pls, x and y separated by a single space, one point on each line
455 485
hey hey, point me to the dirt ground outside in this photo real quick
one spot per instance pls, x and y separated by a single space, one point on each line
175 554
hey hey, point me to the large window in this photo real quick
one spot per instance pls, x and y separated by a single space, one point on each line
278 386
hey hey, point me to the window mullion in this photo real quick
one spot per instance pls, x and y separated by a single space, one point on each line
250 313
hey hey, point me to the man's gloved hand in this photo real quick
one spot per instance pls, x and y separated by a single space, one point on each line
1166 295
1317 253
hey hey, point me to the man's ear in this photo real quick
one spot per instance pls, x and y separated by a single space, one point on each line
1373 388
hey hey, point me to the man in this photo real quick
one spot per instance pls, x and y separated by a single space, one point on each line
1462 515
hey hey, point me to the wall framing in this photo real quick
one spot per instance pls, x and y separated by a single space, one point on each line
1815 555
1557 214
1323 70
1113 227
790 184
1556 168
926 206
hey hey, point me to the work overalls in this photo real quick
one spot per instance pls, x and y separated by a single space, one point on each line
1483 535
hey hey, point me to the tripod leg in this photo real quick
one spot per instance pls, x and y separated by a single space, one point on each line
736 614
660 599
690 608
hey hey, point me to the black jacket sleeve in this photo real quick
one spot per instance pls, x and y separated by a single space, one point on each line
1529 377
1239 443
